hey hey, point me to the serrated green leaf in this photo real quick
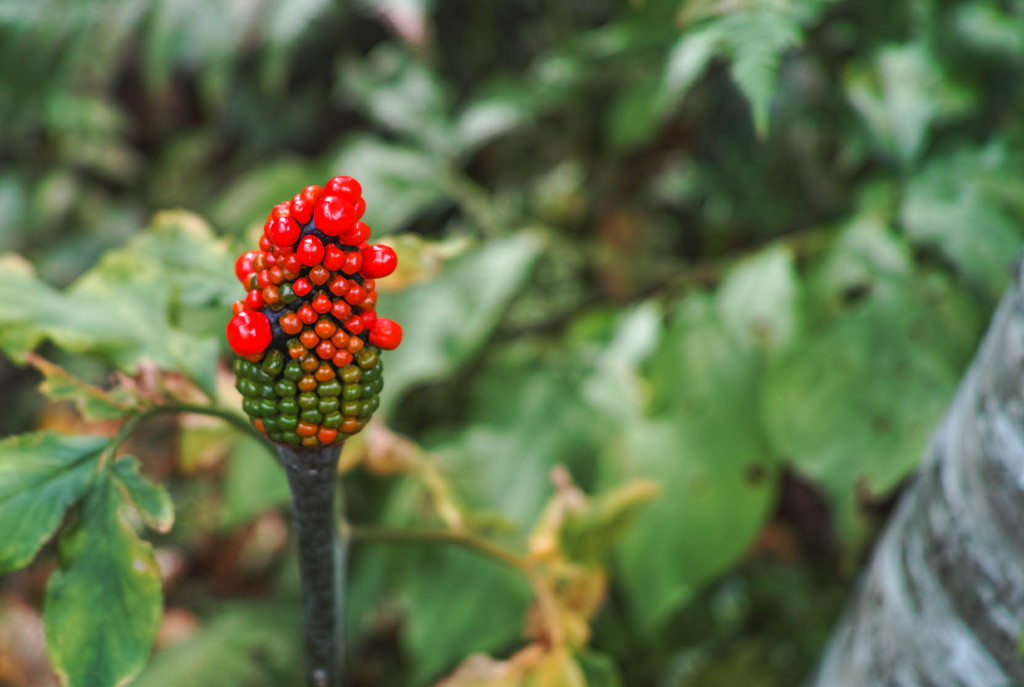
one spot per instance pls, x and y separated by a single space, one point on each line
151 500
449 317
163 297
41 475
92 402
717 474
251 646
104 603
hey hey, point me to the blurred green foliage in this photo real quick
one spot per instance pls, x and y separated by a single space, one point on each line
742 248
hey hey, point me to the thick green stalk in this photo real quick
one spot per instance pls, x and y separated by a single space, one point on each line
312 476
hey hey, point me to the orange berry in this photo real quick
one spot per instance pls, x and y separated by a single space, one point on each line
309 338
325 328
348 425
341 358
319 274
307 383
355 344
305 429
340 339
338 285
324 373
297 351
259 425
271 295
309 364
327 435
310 441
291 324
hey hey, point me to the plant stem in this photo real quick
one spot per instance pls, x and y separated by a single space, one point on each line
312 476
461 539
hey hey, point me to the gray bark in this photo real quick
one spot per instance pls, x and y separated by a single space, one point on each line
942 601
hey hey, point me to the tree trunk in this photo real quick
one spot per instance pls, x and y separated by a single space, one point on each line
942 602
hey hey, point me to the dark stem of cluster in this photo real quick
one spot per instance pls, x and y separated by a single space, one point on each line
312 476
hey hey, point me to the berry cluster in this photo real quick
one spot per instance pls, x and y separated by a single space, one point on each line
307 333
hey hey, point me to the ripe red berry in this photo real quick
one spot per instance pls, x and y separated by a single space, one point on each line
263 279
307 314
334 257
322 304
354 324
310 251
385 334
378 261
325 350
284 231
344 187
334 216
369 317
249 333
311 194
338 285
280 210
301 287
290 263
358 234
302 209
254 300
265 243
341 310
243 266
353 262
355 294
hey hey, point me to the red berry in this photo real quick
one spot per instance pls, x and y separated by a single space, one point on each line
385 334
322 304
353 262
254 300
284 231
334 216
307 315
325 350
249 333
341 310
263 279
265 243
360 206
355 294
378 261
302 209
310 251
291 263
338 285
369 317
358 234
311 194
345 188
334 257
301 287
237 307
280 210
342 358
243 266
354 324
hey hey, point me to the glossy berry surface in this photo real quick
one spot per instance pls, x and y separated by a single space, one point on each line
307 333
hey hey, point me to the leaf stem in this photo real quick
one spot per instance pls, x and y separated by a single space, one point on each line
232 418
464 540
